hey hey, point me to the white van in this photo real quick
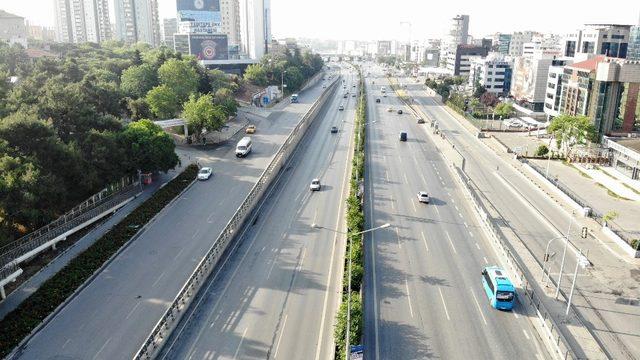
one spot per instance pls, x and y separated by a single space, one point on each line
243 148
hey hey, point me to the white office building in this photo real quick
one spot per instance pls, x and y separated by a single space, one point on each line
529 80
78 21
255 27
137 21
518 39
554 87
458 35
169 28
230 14
493 72
598 39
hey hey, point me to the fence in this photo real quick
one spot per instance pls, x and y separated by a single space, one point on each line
593 213
173 314
26 247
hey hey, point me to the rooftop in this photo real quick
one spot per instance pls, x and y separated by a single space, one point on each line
591 64
633 144
6 15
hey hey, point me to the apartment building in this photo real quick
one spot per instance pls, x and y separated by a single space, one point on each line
493 72
138 21
611 40
554 86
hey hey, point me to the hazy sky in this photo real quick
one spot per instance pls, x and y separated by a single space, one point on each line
378 19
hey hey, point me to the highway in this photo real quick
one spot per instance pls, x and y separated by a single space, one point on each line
277 294
535 220
423 290
112 316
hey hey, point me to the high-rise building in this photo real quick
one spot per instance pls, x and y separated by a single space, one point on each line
137 21
169 28
518 39
503 43
634 43
80 21
255 27
458 35
458 62
554 86
598 39
230 11
12 28
529 80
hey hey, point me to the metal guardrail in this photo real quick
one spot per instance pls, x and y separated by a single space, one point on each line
564 349
174 313
107 198
593 213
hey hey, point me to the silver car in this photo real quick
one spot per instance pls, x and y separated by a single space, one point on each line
423 197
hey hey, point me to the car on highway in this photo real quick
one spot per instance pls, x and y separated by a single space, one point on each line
399 111
403 136
243 148
251 129
341 107
389 109
377 100
315 185
420 120
423 197
205 173
324 86
334 129
384 95
353 95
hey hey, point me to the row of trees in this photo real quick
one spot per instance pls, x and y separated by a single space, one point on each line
291 66
72 124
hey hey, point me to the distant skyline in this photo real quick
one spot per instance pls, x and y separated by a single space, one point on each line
377 19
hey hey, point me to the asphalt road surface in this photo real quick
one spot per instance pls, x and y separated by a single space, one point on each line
277 294
113 315
423 289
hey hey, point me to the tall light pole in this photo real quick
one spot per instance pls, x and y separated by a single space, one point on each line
564 253
347 350
282 82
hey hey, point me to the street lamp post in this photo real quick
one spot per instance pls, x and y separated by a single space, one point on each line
347 350
545 258
282 82
564 254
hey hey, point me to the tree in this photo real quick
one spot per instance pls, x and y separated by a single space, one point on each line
504 110
256 74
163 102
201 114
136 81
489 99
571 130
180 77
293 78
542 150
137 109
147 147
479 90
224 98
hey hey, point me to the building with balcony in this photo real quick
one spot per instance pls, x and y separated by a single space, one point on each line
554 86
611 40
492 72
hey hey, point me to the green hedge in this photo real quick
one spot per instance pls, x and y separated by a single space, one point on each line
28 315
355 224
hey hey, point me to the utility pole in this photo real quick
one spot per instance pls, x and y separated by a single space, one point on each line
573 285
564 254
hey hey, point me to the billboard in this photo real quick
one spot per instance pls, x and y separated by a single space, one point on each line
209 46
199 10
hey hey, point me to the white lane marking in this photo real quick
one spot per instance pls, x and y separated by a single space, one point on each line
437 211
478 305
485 259
392 205
284 323
158 279
133 309
413 202
424 239
195 234
210 217
526 334
406 180
470 233
65 343
400 157
453 201
304 253
456 206
102 348
386 175
406 285
178 254
240 344
516 315
477 246
272 265
398 237
444 304
459 213
315 216
465 224
451 242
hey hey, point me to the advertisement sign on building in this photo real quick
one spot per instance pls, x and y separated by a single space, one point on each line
199 10
209 46
199 27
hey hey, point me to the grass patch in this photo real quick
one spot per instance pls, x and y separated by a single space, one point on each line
606 173
32 311
612 193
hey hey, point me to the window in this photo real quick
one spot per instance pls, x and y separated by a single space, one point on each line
500 73
551 85
617 36
504 296
488 86
490 73
552 75
487 279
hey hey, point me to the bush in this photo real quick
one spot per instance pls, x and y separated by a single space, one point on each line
635 243
28 315
542 150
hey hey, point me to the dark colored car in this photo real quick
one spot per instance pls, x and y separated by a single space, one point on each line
399 111
334 129
403 136
377 100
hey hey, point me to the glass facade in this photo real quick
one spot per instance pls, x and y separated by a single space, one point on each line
634 43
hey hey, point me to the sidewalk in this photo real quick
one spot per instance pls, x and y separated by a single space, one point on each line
32 284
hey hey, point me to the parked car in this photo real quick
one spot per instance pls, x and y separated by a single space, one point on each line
420 120
377 100
251 129
403 136
423 197
389 109
399 111
334 129
341 107
315 185
205 173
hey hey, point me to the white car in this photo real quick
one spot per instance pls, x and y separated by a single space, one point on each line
205 173
315 185
423 197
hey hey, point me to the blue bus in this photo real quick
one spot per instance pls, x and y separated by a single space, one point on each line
499 289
